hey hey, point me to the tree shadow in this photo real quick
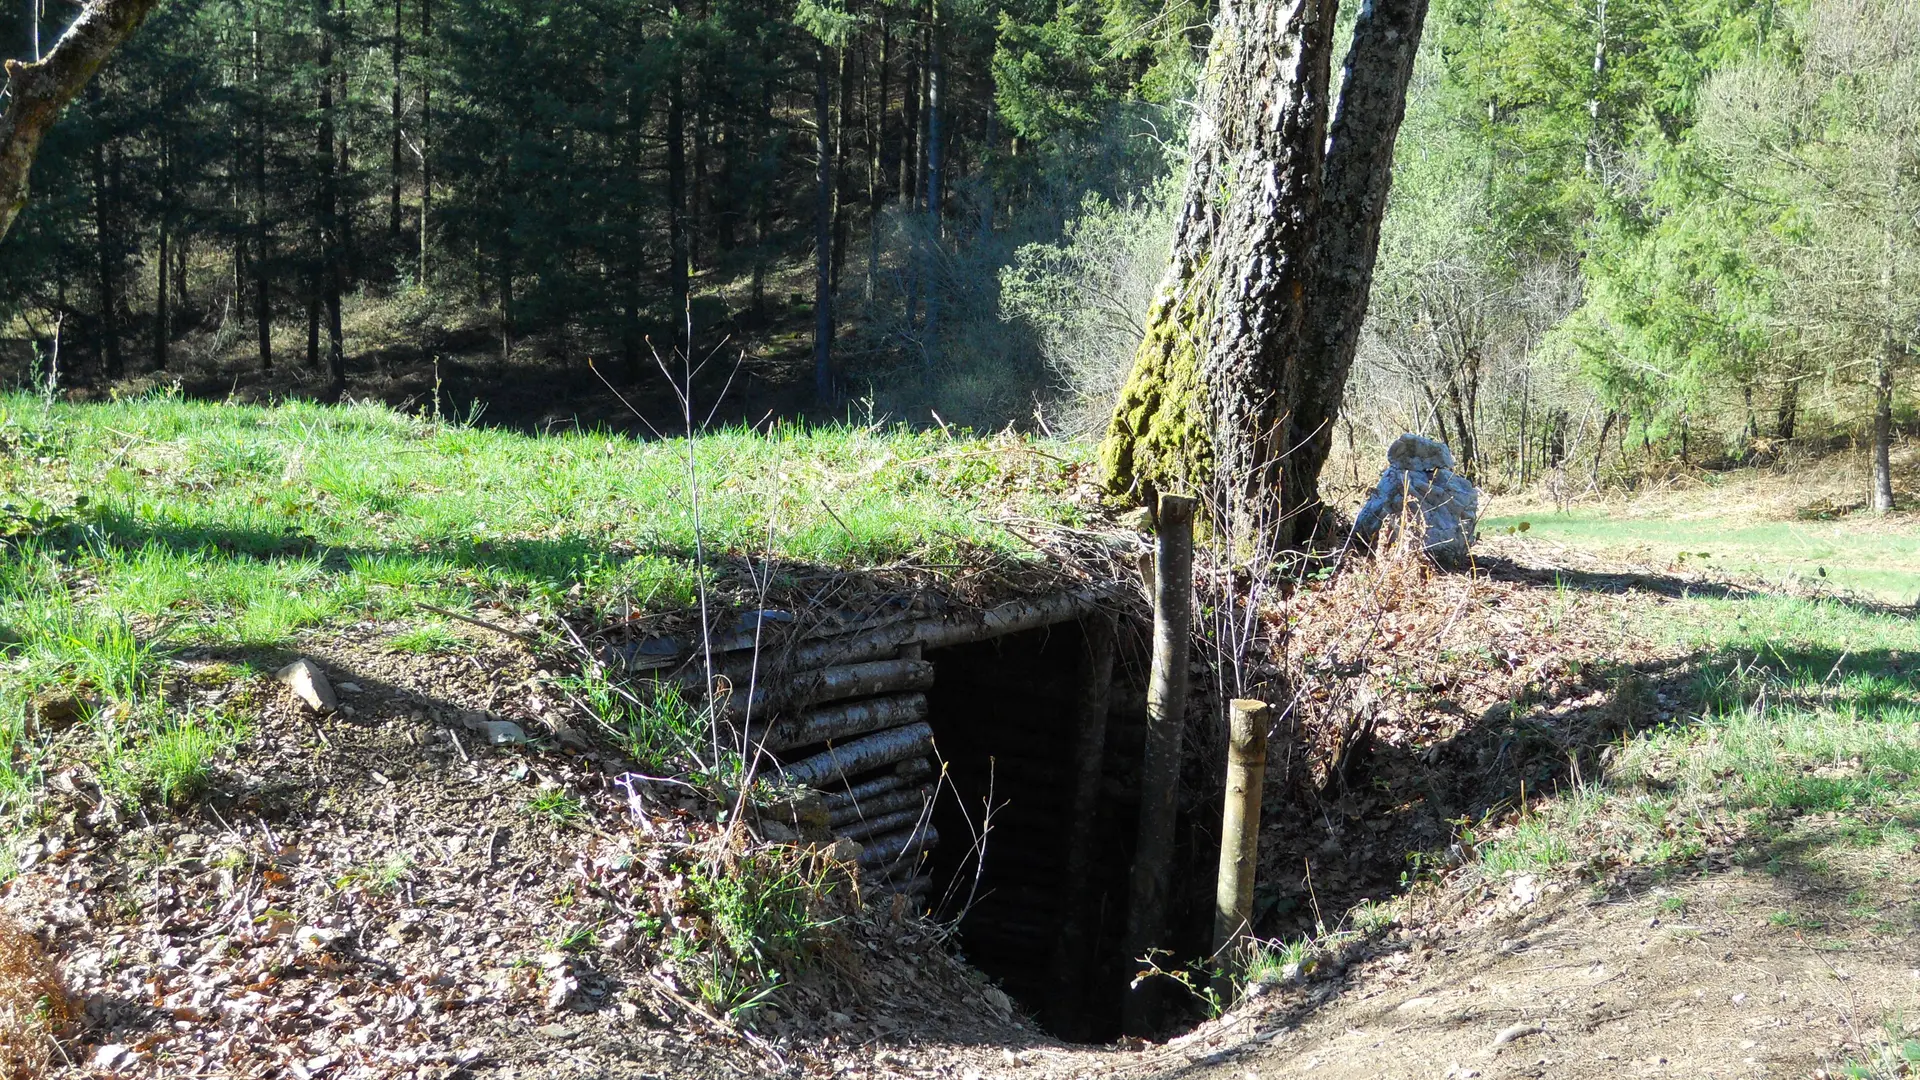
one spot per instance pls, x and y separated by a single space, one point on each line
1617 582
1404 811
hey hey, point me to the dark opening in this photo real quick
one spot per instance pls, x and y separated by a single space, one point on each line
1003 713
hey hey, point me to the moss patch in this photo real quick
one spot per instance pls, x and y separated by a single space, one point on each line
1158 438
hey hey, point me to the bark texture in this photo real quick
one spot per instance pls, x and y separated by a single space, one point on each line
39 92
1358 175
1248 345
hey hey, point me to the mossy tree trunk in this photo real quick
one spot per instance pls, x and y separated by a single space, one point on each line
1237 383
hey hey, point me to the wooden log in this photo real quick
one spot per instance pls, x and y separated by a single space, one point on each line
952 629
1071 954
902 774
884 823
885 802
846 720
861 755
918 886
876 640
826 684
901 869
859 680
1160 769
899 846
1239 839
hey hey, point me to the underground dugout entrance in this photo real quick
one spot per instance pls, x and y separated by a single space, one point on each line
1036 712
1041 897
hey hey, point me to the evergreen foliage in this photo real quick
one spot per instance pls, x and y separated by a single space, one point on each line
609 178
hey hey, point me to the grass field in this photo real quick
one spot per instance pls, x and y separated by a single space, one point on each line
1796 714
134 528
1857 554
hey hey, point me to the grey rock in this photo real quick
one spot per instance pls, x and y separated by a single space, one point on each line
1419 484
501 732
309 684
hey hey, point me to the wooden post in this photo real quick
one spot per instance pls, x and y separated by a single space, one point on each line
1239 838
1071 949
1160 769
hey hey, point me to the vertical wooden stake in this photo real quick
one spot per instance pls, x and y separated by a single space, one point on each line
1070 956
1160 769
1239 838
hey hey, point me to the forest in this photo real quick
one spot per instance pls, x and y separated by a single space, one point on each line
1622 234
675 539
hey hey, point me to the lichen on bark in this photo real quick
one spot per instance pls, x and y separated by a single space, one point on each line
1158 438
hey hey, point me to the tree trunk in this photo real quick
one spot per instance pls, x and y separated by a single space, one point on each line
331 241
393 178
1205 397
162 321
1883 424
911 84
1358 173
39 92
843 162
182 244
679 268
1250 341
313 323
936 77
426 134
823 230
876 141
107 257
1883 370
262 281
162 268
763 171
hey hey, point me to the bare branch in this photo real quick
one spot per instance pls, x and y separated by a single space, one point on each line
37 93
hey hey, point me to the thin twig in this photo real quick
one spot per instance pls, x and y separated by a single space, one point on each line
481 623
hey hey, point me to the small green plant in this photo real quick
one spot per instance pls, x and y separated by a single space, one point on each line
760 921
655 725
430 639
1794 920
1271 963
1367 916
172 764
1893 1055
382 876
573 938
1199 984
555 805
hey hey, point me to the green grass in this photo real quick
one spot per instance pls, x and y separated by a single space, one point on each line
1801 735
133 529
1856 555
556 806
428 638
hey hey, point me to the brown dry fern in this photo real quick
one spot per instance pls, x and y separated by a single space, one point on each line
35 1005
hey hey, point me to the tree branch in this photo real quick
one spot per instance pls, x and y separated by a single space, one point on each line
38 93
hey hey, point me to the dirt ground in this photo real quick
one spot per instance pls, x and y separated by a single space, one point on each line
367 894
1699 978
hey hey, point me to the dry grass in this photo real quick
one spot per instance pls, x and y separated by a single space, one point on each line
35 1006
